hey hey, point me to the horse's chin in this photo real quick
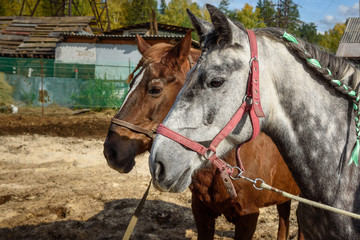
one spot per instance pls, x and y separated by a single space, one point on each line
180 185
123 169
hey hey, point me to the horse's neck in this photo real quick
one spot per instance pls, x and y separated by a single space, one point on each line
313 126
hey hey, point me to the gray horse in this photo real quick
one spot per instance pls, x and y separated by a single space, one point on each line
308 97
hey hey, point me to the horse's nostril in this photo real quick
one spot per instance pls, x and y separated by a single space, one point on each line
109 153
159 171
112 153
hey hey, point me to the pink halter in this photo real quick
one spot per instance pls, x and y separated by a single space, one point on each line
253 92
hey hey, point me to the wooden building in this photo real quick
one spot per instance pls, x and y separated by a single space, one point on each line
349 46
112 56
36 37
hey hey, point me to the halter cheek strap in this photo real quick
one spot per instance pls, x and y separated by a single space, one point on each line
255 110
134 128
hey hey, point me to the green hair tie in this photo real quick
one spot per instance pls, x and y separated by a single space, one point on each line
329 71
352 93
314 62
337 82
355 153
290 38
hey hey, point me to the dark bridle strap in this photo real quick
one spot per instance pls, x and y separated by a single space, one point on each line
135 128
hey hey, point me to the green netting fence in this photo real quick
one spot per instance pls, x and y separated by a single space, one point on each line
43 82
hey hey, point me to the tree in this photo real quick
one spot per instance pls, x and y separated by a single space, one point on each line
224 6
249 18
119 11
331 38
288 16
267 12
175 13
44 8
162 7
139 11
308 32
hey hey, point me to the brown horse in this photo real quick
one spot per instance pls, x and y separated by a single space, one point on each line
152 92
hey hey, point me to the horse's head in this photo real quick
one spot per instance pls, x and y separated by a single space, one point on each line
214 90
152 92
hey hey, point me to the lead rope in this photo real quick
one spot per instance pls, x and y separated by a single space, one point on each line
135 216
343 88
263 185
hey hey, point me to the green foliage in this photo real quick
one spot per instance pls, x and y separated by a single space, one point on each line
331 38
175 13
267 12
288 16
224 6
308 32
44 8
5 91
119 13
139 11
162 7
249 17
29 98
97 93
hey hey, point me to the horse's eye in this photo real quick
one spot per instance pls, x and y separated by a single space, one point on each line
155 91
217 82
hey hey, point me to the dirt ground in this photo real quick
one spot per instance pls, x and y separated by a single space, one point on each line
55 184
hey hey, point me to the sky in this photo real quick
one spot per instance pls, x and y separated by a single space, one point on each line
324 13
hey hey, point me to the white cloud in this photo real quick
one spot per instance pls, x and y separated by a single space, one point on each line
344 12
330 20
347 11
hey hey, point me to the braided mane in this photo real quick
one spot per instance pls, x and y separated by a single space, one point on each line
339 72
331 67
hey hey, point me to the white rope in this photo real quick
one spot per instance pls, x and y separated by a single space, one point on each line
309 202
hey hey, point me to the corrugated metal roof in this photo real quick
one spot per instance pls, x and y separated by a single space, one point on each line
117 36
161 26
352 31
79 36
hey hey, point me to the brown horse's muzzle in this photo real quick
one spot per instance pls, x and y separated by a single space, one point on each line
120 152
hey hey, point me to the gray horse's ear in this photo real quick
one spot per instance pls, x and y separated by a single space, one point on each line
224 28
201 26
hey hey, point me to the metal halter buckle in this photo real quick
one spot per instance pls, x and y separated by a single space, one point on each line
251 62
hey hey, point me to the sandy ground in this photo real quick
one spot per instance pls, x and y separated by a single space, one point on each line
55 184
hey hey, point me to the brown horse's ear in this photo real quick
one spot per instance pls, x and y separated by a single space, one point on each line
181 50
143 46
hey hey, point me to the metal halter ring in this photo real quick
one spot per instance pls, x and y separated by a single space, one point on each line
208 154
247 99
255 181
237 176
